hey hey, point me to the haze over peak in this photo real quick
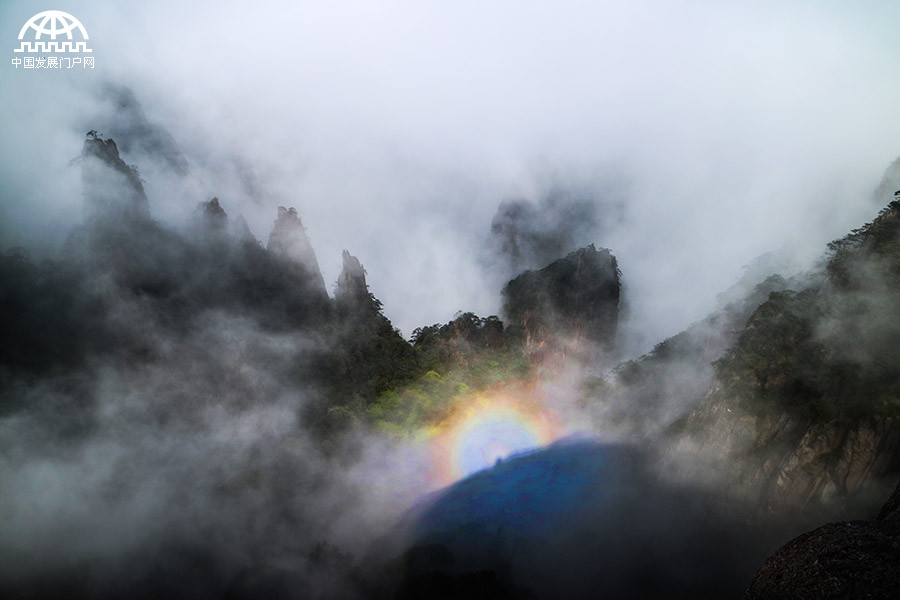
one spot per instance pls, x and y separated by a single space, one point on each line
433 115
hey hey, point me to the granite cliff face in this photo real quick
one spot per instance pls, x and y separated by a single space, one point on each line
804 409
789 463
575 298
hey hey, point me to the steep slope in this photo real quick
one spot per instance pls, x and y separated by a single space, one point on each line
804 410
123 118
643 396
112 189
889 183
368 356
289 239
124 275
351 290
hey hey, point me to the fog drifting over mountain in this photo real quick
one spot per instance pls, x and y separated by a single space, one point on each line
722 131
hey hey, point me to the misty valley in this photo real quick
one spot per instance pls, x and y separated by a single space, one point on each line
187 411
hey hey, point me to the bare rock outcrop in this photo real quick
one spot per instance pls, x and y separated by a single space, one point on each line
576 297
352 289
112 189
289 239
787 463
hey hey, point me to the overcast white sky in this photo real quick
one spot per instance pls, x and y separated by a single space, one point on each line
396 128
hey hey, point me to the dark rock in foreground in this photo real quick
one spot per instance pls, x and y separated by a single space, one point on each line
854 559
578 519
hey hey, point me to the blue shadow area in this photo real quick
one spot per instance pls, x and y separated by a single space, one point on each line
578 519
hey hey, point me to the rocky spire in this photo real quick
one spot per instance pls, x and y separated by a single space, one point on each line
890 183
241 231
111 188
288 238
211 217
351 285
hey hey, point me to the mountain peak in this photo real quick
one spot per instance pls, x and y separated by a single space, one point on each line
122 116
289 239
351 285
576 296
212 217
111 188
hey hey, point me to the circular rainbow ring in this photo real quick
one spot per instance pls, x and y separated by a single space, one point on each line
491 427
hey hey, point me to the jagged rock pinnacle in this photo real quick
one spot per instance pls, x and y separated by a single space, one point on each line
111 188
351 284
288 238
212 218
240 230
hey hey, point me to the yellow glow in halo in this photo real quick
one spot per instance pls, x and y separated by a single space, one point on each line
488 427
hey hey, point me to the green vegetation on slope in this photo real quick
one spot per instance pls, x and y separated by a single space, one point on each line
467 354
832 351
